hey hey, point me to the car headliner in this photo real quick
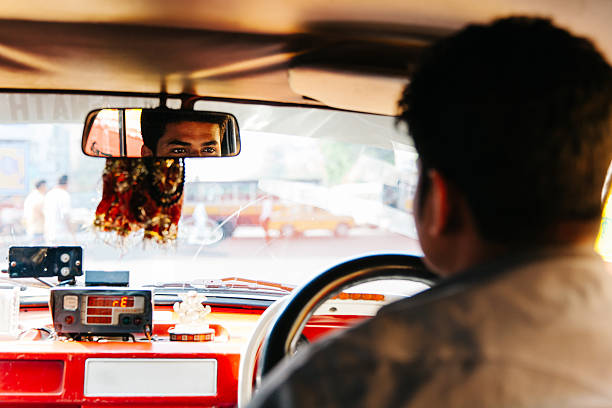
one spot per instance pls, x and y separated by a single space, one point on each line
346 54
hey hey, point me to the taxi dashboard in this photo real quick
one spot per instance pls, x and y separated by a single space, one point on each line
42 369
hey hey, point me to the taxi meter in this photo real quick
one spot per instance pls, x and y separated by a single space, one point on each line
101 311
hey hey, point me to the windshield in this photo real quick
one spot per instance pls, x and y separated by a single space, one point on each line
310 188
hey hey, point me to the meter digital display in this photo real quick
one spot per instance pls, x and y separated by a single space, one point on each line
106 309
101 311
110 301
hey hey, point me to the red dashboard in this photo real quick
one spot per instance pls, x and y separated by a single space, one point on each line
35 371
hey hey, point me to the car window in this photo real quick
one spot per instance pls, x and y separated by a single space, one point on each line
311 188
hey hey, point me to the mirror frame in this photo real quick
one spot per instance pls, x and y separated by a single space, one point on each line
91 116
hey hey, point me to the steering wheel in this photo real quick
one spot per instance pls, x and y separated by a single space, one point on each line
281 324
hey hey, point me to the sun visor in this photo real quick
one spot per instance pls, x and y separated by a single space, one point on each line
357 91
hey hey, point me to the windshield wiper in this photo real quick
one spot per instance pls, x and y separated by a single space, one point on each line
232 284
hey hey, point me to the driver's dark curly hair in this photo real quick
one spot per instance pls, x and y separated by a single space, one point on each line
517 115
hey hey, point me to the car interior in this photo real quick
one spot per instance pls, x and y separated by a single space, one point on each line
301 225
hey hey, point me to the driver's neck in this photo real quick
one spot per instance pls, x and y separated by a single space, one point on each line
471 249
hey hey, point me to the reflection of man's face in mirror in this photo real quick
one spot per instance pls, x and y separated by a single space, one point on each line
188 139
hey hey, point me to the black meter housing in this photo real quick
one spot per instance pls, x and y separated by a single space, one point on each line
79 312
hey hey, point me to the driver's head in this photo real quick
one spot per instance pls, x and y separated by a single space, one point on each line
512 123
168 133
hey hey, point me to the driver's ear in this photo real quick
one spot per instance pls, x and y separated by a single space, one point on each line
145 151
441 196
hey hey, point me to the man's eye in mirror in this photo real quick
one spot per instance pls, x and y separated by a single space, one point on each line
178 152
160 133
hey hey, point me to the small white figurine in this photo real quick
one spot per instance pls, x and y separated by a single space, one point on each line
191 313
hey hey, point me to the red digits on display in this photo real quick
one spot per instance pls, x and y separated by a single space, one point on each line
110 301
100 308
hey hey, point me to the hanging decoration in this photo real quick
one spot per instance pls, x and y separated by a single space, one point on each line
142 194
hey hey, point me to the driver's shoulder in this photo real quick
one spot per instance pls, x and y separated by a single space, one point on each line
501 300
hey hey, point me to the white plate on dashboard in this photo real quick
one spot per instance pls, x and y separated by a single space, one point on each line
150 377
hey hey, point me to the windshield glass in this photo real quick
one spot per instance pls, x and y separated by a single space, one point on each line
310 188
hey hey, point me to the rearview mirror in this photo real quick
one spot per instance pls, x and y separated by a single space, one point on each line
160 133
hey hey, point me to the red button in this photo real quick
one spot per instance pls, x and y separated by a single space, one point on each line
69 319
